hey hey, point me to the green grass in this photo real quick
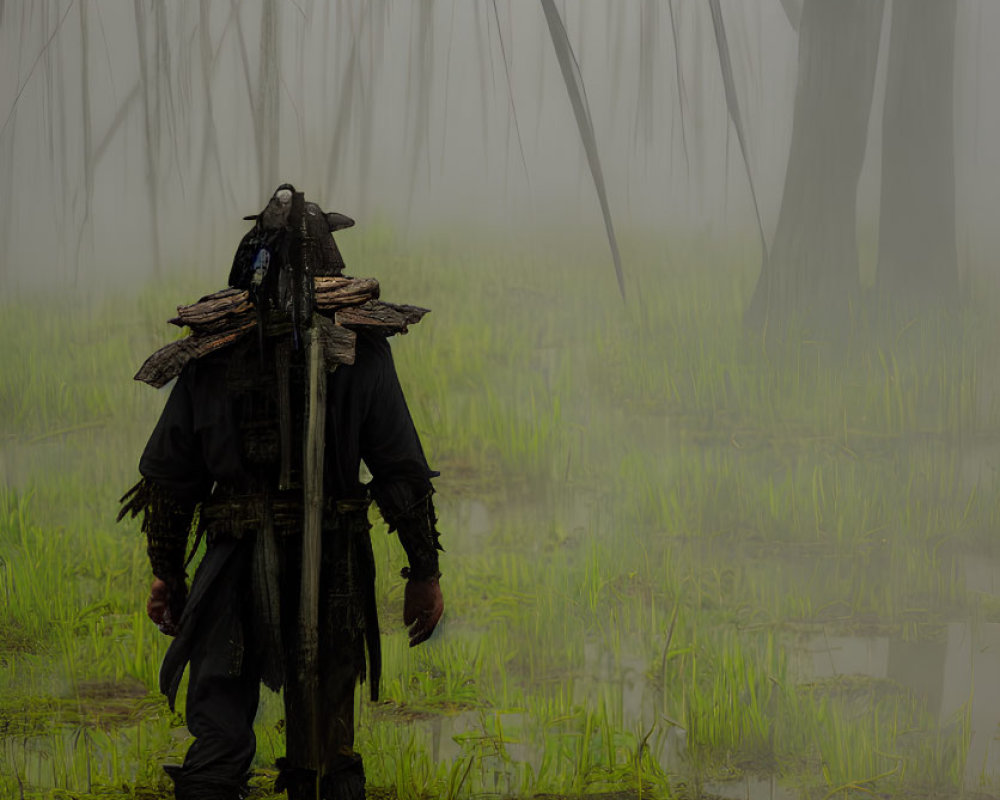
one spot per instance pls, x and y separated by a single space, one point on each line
669 508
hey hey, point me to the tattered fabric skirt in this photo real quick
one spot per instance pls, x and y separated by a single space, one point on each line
245 592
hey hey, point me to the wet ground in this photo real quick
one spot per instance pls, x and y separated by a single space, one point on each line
957 675
954 669
951 665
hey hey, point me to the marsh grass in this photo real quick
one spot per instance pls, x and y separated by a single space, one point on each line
659 491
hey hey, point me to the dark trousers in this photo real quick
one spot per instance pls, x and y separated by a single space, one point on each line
223 685
224 688
220 713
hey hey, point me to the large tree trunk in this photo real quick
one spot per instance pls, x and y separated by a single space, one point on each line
917 260
811 275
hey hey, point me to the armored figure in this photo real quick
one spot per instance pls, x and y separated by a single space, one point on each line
284 386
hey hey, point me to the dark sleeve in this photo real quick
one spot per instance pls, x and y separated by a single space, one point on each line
390 445
174 480
401 478
173 456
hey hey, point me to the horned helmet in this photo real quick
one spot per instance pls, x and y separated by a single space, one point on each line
290 243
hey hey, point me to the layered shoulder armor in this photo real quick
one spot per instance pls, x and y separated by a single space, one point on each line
344 305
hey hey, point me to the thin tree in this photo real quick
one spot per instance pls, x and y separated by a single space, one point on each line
209 136
267 112
88 135
419 86
350 79
374 29
151 130
643 125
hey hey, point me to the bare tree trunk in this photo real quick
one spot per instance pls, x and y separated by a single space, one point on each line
917 260
301 103
88 137
163 83
616 41
60 134
151 120
376 26
648 37
267 121
681 94
6 192
421 74
485 62
345 102
812 273
7 171
698 111
209 136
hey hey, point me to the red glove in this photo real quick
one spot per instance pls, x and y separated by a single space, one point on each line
422 608
165 606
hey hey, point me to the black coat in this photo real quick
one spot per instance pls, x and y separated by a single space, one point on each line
197 441
218 436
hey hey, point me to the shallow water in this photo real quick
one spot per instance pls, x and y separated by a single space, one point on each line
956 673
751 788
957 676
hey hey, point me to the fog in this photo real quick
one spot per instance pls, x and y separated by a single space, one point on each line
736 526
417 113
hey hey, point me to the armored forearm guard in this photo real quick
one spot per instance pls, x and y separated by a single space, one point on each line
419 537
166 524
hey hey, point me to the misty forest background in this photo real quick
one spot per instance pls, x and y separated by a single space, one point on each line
733 535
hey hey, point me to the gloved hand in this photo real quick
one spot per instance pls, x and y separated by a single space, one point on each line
422 608
166 604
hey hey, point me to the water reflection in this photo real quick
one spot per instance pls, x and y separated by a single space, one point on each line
956 676
978 464
500 746
620 679
21 463
831 656
982 575
751 787
472 518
